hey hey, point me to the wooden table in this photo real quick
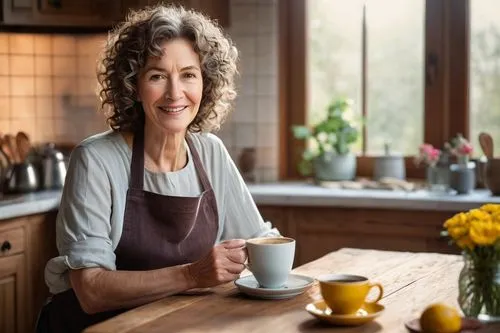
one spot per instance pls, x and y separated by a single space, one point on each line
411 282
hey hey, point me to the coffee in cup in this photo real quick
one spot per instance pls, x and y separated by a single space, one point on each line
270 259
345 293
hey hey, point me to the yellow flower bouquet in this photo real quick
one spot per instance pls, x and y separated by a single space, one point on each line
477 233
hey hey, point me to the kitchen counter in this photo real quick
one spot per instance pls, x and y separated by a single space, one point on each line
290 194
17 205
304 194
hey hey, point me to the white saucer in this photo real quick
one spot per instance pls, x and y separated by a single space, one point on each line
296 285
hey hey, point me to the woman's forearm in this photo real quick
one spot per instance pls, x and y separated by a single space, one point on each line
101 290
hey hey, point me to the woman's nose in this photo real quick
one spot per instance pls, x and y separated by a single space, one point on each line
174 90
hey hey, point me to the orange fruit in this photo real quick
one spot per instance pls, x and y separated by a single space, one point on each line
440 318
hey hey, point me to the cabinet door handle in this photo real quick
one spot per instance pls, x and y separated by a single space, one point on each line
5 246
55 3
432 69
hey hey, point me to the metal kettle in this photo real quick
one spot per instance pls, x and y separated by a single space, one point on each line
53 168
21 178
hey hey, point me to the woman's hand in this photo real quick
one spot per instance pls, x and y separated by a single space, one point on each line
224 263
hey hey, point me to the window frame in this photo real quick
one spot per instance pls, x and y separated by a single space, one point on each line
446 90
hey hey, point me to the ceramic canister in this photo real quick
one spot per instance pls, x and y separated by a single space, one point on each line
389 165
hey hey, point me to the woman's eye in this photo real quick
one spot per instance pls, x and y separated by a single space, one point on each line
189 75
156 77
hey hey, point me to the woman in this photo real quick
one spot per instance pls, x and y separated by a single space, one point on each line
156 206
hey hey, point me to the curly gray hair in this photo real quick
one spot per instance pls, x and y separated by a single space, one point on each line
140 36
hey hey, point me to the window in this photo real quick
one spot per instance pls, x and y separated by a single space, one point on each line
372 52
405 63
485 70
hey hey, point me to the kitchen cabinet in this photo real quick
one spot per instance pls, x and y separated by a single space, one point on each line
277 216
101 14
16 11
135 4
12 277
12 294
321 230
40 246
26 243
61 13
215 9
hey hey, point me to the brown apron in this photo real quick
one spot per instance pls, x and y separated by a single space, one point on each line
158 231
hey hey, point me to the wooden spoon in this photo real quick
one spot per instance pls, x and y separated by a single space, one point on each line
11 142
486 142
4 154
6 150
23 145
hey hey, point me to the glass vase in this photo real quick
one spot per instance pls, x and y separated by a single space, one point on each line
438 178
479 287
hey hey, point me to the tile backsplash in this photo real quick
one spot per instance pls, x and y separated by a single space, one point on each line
47 86
254 123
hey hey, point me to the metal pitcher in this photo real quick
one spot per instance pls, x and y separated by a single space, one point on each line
53 168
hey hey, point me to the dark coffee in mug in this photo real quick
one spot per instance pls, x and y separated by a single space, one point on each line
353 279
270 240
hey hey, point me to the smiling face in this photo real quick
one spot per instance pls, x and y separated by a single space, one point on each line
170 88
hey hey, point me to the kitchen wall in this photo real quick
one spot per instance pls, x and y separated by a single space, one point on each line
254 29
47 85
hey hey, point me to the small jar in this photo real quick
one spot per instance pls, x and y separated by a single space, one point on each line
463 177
438 178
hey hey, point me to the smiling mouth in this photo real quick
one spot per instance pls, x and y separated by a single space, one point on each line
172 110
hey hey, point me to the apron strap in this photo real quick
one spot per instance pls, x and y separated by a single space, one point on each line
137 164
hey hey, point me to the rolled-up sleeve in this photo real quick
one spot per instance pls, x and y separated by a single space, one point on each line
83 224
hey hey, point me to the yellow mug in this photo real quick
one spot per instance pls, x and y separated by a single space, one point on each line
345 293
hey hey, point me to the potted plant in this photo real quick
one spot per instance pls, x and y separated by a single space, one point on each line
327 154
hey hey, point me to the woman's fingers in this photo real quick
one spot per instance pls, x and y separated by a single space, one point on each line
232 261
236 250
238 256
233 244
223 264
235 269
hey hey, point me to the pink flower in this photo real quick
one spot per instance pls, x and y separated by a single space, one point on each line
465 149
460 146
427 154
434 154
426 148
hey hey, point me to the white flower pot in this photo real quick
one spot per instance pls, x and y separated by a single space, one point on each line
332 167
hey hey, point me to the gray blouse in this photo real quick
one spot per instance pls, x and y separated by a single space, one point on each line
90 218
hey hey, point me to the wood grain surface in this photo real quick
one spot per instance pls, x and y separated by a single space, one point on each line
411 282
